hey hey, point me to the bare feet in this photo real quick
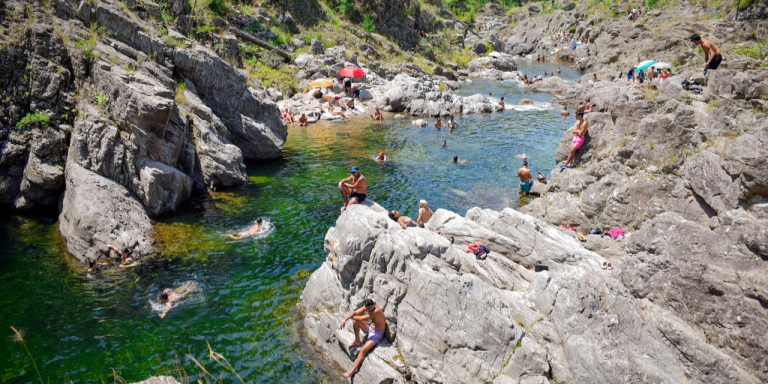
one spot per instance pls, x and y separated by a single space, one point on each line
354 344
349 374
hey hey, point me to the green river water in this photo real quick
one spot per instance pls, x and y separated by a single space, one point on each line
78 328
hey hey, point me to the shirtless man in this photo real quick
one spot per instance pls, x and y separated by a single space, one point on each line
525 178
404 221
438 123
424 214
581 107
374 329
377 115
565 112
381 157
125 257
254 229
170 296
354 189
712 56
303 120
501 101
579 136
452 123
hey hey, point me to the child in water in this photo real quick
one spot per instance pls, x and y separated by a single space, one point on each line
170 296
247 233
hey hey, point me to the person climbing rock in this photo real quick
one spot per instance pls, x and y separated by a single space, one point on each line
374 324
712 57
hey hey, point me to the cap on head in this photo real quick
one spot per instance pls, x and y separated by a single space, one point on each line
695 37
354 169
381 153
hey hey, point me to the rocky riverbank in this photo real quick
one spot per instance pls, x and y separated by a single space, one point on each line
682 172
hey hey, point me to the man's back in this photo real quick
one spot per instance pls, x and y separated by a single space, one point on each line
524 174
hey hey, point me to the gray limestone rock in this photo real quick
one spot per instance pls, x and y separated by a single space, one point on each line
98 211
707 177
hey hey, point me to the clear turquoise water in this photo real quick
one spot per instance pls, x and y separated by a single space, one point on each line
78 328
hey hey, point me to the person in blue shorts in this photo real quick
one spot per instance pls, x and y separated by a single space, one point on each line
525 178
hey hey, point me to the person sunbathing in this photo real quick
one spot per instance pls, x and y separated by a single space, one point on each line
404 221
125 256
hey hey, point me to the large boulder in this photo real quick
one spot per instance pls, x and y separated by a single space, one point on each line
98 211
455 319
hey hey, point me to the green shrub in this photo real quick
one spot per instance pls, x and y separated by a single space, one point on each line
756 51
367 24
488 48
100 99
33 118
179 97
346 7
172 41
572 29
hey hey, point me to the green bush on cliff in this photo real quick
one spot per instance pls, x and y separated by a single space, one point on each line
34 118
755 51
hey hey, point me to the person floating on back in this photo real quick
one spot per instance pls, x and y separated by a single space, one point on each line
579 137
525 178
374 324
354 189
712 56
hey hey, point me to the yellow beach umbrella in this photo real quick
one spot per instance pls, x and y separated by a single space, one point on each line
321 83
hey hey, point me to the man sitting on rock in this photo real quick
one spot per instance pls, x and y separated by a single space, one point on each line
525 178
374 324
354 187
579 136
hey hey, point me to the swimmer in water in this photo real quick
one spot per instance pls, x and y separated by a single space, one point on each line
170 296
381 157
456 158
125 256
445 145
452 123
254 229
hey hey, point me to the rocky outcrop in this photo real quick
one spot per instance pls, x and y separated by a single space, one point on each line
455 319
421 98
97 211
147 118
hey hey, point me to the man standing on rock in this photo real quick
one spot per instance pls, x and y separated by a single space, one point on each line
374 324
354 189
579 137
525 178
711 53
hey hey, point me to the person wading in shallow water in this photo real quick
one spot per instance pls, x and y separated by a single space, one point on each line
354 189
525 178
374 324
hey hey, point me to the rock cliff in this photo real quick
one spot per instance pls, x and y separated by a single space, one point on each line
124 121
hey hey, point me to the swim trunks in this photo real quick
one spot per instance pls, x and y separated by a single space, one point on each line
578 141
374 335
714 63
525 186
358 196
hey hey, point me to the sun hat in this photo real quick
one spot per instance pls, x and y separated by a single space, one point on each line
354 169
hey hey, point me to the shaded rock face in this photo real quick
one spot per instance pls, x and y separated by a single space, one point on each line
98 211
124 128
455 319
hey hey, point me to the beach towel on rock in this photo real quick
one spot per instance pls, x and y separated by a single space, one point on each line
615 232
472 248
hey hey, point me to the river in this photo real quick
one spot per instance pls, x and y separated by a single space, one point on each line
79 327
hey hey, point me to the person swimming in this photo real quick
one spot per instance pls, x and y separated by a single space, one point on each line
254 229
170 296
456 158
445 145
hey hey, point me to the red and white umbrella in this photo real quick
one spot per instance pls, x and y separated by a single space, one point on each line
351 72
